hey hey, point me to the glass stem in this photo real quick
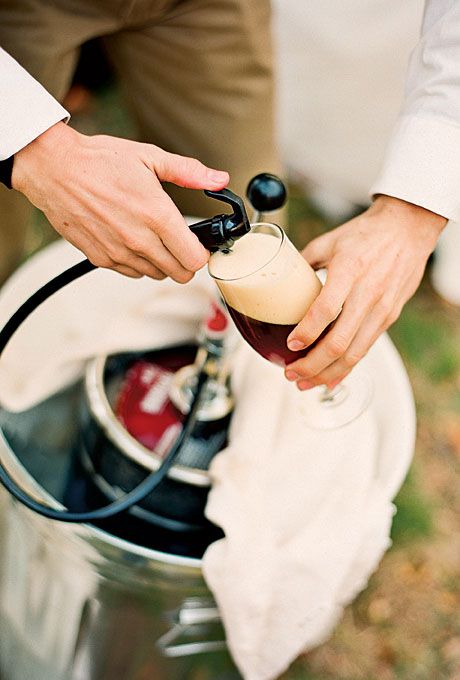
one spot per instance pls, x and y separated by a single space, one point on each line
333 396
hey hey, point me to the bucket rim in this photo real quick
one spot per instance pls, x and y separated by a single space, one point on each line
23 477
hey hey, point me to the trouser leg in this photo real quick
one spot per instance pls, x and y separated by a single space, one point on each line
44 36
200 83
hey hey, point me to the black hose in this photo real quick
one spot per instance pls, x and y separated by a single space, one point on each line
151 482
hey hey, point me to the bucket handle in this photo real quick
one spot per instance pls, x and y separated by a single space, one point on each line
188 620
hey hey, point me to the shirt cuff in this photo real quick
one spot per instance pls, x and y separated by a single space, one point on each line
26 108
422 165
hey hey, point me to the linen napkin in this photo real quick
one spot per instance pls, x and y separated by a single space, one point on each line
293 503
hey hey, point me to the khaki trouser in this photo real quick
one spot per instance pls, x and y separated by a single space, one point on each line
197 75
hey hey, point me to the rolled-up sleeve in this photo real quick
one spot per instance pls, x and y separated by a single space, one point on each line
422 163
26 108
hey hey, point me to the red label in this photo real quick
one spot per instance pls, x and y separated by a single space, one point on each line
145 409
217 321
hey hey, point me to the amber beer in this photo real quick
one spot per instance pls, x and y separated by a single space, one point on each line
268 287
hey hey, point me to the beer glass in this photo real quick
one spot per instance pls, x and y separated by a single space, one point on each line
268 287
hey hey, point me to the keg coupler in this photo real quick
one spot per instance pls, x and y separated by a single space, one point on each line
266 193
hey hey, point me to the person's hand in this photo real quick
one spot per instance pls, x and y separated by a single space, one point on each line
374 265
104 195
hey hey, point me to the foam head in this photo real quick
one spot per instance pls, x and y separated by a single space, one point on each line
265 278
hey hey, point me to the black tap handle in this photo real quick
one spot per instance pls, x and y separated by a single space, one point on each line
266 192
227 196
221 231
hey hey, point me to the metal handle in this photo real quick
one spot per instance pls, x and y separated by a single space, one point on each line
189 620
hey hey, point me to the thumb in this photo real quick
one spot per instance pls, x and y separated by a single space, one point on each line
319 251
188 172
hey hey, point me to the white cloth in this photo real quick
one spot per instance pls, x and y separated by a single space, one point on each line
26 108
293 503
422 164
102 313
306 513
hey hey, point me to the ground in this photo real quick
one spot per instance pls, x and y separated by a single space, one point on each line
406 625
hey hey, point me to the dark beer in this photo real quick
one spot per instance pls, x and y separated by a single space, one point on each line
269 339
268 288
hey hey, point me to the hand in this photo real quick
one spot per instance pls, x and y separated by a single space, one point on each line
104 195
374 265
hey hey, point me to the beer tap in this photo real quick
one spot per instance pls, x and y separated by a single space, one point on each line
221 231
265 193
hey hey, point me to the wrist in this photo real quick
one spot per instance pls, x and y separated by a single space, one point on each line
32 159
397 208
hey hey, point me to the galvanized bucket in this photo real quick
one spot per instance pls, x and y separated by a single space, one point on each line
77 603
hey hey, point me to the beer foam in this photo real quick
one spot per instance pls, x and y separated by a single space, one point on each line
266 282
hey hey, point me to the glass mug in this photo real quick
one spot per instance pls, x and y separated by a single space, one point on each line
268 287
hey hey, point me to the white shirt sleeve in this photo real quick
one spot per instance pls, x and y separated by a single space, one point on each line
26 108
422 163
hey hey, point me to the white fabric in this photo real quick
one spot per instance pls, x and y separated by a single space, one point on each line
26 108
293 505
309 542
423 159
103 313
306 513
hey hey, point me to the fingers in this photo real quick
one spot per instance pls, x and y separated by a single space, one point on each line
127 271
375 264
186 172
126 262
338 370
179 240
345 345
145 251
116 257
326 308
336 343
166 230
319 251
